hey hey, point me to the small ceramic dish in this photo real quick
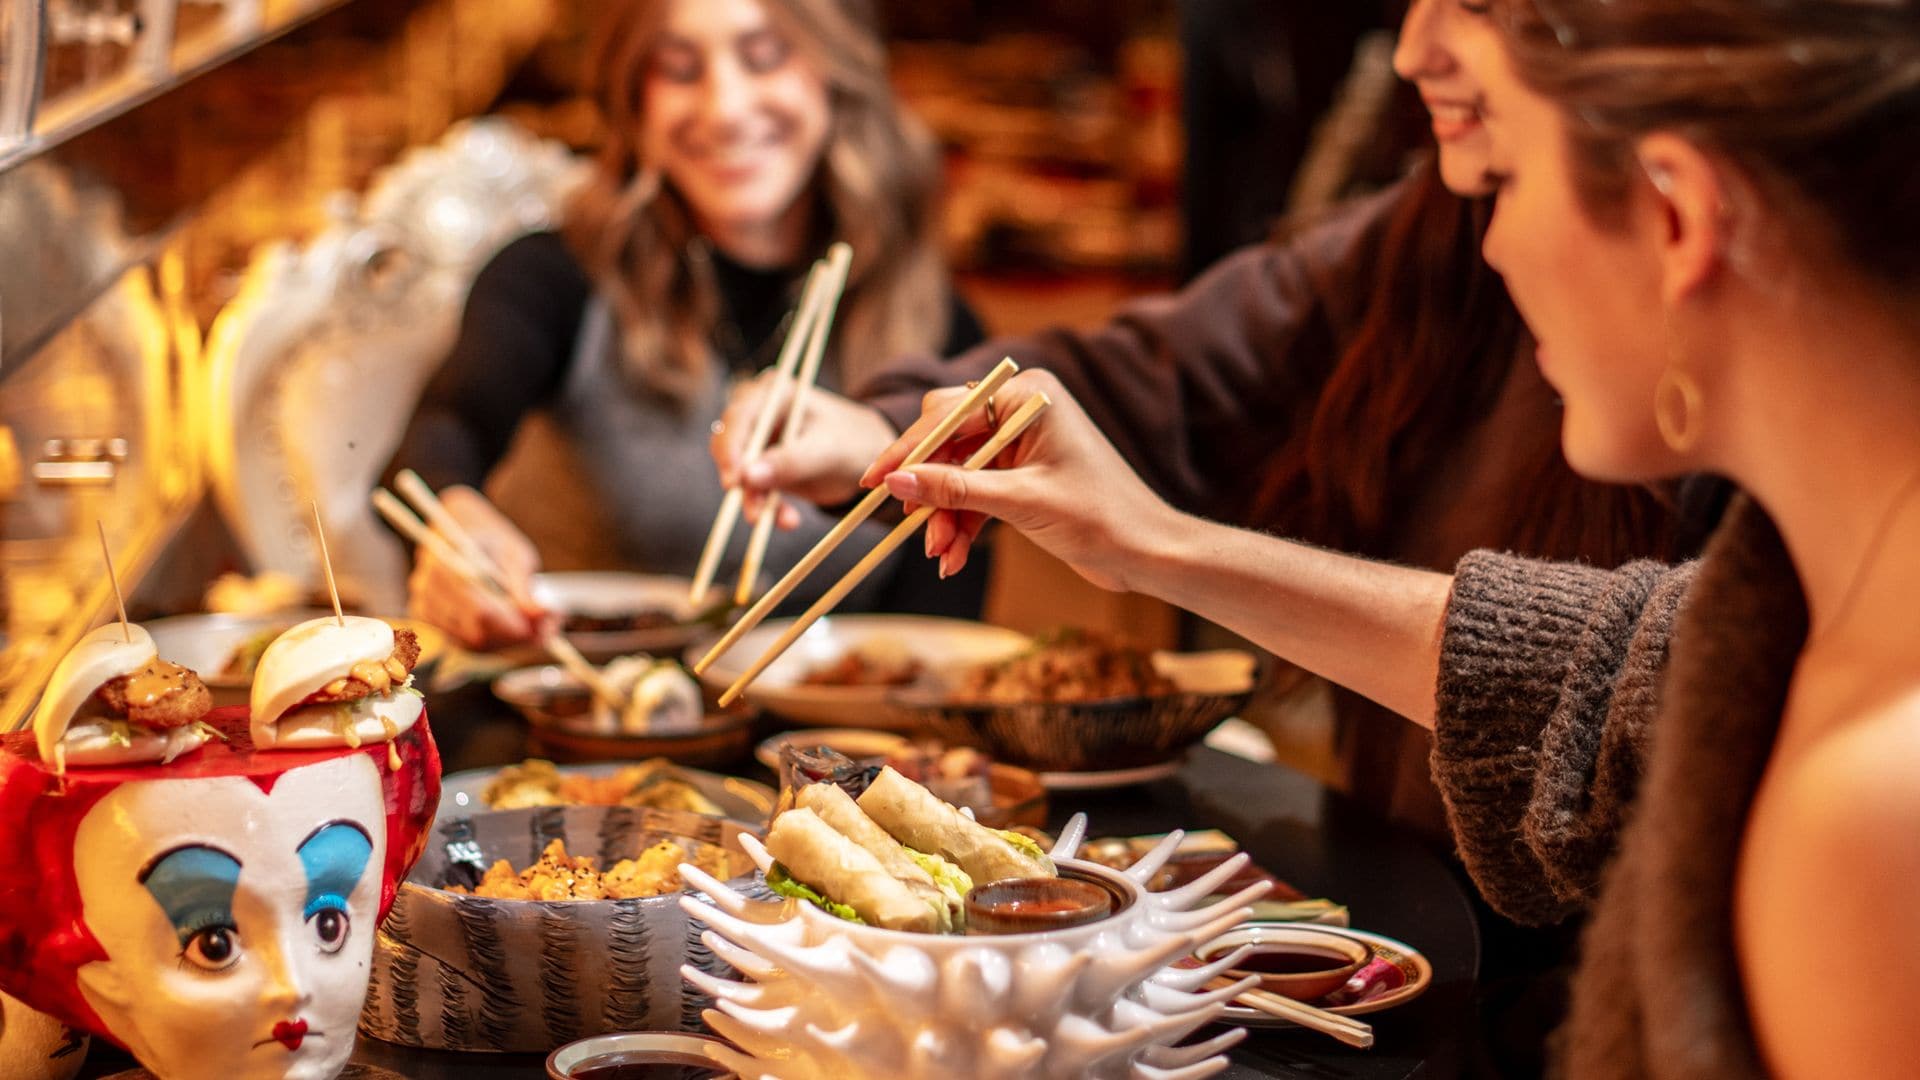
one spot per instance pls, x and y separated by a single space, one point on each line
609 613
1031 905
559 709
1302 962
653 1055
1395 975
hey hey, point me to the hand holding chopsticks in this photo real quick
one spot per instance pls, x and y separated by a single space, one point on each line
812 323
450 543
1009 430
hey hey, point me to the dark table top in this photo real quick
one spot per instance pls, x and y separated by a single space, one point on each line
1318 841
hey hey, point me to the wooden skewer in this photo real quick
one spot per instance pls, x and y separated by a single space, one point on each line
839 265
729 513
1352 1032
860 513
442 549
1001 439
326 563
126 630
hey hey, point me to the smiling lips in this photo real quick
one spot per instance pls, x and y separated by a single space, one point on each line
290 1033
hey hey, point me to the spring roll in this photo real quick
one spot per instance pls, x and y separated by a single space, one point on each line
817 856
920 820
926 874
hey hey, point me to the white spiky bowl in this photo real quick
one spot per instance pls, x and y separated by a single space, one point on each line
826 999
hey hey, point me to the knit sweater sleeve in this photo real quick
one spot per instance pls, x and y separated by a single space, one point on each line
1550 679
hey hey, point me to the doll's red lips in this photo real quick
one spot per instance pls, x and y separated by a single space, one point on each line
290 1033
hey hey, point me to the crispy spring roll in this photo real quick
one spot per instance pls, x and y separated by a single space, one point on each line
919 819
925 873
819 857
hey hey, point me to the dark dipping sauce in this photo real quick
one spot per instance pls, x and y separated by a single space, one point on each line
1287 962
647 1066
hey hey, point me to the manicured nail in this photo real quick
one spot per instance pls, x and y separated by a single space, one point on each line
904 485
926 542
759 474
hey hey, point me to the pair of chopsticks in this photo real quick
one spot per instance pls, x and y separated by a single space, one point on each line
1352 1032
1008 431
442 535
797 367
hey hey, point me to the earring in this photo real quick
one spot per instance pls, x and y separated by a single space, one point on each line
1677 401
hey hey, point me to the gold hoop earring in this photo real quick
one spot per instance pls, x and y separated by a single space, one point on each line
1677 406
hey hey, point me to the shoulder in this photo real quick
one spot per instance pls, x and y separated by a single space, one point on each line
1861 779
537 269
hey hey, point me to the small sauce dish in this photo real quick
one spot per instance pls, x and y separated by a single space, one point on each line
1032 905
1304 963
638 1055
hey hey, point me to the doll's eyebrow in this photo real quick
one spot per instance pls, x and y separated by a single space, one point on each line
194 884
334 856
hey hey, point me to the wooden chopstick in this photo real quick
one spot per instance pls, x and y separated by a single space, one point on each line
415 491
1352 1032
729 513
477 576
844 528
1009 430
839 265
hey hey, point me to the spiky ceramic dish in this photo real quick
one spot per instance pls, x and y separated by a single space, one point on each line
825 999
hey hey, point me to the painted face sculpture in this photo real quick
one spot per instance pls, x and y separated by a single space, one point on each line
215 916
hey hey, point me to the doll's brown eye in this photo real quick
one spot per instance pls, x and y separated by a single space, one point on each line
330 926
215 948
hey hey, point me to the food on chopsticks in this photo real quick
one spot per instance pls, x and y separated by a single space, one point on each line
113 701
1068 665
335 681
873 663
657 784
896 858
559 876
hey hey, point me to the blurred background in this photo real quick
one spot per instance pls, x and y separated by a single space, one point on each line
237 235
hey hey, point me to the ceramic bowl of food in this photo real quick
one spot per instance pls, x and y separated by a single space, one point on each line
656 783
843 670
1078 704
547 950
612 613
567 724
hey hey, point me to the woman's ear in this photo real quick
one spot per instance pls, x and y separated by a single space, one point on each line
1690 203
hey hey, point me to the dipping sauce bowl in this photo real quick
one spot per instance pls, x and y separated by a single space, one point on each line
640 1055
1030 905
1302 962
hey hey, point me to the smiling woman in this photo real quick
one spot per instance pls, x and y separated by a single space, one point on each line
740 139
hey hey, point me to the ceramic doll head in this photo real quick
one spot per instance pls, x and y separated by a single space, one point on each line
215 916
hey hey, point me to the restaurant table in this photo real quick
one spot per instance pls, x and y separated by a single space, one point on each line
1316 840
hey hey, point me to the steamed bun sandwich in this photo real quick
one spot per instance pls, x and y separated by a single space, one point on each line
854 860
335 681
113 701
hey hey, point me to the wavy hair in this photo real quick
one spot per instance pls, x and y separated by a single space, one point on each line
877 184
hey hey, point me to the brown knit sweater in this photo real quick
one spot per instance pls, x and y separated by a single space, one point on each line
1582 769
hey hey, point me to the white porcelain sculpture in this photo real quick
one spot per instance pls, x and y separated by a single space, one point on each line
831 1000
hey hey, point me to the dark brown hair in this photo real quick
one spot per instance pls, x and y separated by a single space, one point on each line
877 184
1815 101
1438 342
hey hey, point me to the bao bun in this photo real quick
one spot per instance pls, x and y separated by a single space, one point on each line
305 660
107 653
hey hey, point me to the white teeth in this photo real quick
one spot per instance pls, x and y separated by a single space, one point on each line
1455 114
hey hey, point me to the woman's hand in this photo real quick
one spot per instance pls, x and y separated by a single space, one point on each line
1062 484
439 595
821 465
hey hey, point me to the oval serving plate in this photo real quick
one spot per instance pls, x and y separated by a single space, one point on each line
741 800
940 645
1414 974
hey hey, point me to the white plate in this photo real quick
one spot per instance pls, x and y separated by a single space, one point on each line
611 594
941 645
856 743
1415 968
743 800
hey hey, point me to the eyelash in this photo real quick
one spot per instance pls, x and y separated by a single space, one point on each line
323 902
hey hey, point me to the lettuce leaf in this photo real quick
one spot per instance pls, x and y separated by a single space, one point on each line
1026 844
783 884
950 878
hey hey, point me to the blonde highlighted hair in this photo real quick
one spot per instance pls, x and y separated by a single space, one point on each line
877 187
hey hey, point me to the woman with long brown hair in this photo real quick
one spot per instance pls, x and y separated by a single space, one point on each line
1705 217
741 138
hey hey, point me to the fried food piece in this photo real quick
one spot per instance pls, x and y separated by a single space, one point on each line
559 876
159 696
370 678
